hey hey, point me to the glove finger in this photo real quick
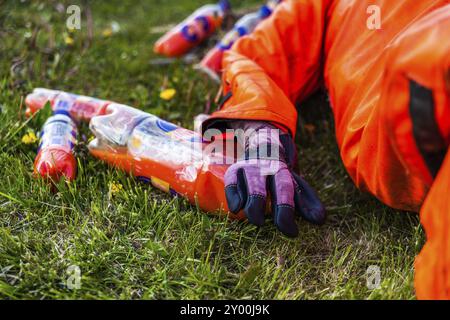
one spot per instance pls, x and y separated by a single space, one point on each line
307 202
255 206
235 189
281 189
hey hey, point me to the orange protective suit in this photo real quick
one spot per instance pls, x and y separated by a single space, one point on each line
389 89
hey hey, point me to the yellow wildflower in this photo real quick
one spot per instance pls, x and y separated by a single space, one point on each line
29 138
107 32
167 94
69 40
115 187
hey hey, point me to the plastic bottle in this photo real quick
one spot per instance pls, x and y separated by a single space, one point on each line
193 30
81 108
38 98
169 157
55 157
211 64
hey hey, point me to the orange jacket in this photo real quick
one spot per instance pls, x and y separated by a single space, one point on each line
389 90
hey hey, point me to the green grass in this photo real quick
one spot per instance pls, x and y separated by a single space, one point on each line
140 243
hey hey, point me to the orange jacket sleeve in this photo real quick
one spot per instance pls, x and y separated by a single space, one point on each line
278 64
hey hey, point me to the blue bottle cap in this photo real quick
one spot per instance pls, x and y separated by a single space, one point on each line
225 5
264 12
241 31
61 111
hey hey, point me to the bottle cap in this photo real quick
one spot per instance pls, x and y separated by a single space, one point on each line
225 5
264 12
63 112
242 31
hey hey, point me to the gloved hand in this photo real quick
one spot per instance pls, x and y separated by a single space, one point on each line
250 180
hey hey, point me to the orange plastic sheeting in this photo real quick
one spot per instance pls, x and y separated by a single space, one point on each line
381 81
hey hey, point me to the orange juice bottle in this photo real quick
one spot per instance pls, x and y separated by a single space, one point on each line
211 64
193 30
169 157
80 108
55 158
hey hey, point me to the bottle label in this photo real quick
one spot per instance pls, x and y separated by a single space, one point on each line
165 126
78 107
165 142
86 107
197 29
159 184
58 133
177 133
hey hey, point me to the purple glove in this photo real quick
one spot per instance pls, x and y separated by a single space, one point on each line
260 173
